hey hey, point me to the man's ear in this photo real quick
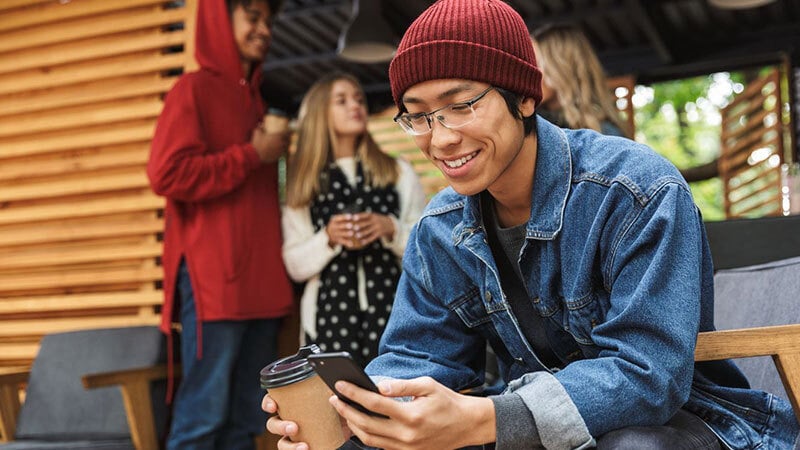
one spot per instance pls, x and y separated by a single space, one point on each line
527 106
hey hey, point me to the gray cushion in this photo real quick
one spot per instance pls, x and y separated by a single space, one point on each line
57 407
121 444
760 295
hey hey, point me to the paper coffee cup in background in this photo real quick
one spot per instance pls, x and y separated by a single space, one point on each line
302 397
276 121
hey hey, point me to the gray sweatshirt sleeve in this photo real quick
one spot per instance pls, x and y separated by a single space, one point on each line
558 423
516 428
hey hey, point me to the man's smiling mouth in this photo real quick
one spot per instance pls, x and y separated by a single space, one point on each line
456 163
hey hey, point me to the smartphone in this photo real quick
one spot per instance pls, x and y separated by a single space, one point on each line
332 367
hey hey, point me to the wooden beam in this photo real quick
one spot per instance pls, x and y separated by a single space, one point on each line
90 27
12 4
79 139
81 117
12 352
55 257
95 48
41 327
77 302
96 159
134 64
645 22
78 230
76 186
91 208
112 89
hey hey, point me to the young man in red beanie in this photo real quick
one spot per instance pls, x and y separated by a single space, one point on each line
224 278
580 258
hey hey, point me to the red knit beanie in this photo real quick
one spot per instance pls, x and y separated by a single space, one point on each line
481 40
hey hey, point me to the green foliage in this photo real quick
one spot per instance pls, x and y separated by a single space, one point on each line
680 120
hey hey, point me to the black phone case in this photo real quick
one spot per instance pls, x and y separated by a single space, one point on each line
332 367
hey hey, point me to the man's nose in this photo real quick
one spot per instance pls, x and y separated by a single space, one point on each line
264 28
441 136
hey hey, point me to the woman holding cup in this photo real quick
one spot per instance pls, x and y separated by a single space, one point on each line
350 208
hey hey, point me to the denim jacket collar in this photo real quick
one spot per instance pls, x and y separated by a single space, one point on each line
553 175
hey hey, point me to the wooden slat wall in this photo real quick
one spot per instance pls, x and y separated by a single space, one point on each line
81 85
752 150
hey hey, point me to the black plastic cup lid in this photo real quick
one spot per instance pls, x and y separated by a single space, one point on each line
289 370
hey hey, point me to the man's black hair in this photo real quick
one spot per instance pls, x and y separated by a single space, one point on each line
274 5
513 100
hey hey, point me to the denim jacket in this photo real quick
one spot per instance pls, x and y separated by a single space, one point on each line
617 263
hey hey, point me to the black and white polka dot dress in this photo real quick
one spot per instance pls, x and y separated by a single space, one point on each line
342 323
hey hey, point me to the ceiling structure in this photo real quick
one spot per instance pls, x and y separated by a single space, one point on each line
651 39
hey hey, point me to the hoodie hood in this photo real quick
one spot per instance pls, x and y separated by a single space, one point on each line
215 48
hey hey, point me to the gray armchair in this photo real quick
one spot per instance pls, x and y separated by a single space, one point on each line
756 302
72 401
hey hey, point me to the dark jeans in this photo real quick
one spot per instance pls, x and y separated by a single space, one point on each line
684 431
218 403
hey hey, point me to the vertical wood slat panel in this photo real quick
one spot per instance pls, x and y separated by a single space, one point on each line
751 149
626 106
81 85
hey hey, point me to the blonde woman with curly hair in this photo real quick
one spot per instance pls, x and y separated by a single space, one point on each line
574 89
350 209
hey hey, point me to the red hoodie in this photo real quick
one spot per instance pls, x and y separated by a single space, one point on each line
222 213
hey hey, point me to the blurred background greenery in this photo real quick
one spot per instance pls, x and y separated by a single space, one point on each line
681 119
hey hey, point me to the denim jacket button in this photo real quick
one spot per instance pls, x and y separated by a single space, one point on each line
488 296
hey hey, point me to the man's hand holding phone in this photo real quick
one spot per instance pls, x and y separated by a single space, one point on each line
437 417
340 366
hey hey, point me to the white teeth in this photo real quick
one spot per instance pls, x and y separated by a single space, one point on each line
460 161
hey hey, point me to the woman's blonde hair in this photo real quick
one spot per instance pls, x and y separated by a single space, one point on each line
575 74
315 144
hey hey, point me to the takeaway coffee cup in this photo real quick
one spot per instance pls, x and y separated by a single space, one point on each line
302 397
275 121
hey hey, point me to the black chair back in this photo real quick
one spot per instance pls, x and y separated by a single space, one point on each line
745 242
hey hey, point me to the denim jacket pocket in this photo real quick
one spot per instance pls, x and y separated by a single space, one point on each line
470 309
735 416
581 316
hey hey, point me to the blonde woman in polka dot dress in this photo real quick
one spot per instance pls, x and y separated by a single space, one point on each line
350 208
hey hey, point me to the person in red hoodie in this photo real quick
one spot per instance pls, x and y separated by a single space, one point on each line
224 278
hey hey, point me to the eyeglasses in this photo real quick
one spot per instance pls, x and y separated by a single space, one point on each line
452 116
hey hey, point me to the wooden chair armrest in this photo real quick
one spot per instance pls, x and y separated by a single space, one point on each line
125 377
135 387
10 380
781 342
747 342
14 376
